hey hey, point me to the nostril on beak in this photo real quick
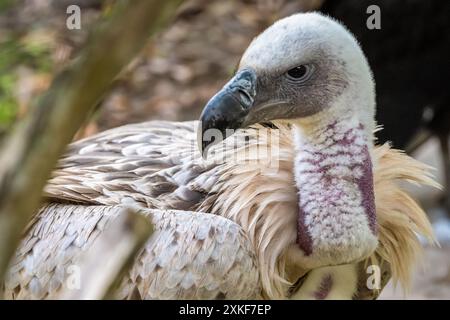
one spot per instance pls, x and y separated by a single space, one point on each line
245 98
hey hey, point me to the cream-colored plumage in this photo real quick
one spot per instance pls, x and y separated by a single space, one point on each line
100 174
168 268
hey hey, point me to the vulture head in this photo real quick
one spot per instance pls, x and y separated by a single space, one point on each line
309 71
302 67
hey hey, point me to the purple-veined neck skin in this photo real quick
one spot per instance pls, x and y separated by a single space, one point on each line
334 177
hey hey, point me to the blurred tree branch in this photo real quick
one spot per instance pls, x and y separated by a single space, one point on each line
29 154
105 263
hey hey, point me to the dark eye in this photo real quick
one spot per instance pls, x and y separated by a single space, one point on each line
299 73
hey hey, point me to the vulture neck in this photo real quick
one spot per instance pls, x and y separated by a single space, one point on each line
333 171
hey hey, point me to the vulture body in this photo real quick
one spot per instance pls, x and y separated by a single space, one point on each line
297 209
145 166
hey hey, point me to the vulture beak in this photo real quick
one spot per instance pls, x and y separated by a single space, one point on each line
227 110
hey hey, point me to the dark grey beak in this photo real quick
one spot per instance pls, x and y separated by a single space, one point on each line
227 110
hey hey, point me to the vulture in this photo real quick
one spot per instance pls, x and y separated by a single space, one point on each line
278 192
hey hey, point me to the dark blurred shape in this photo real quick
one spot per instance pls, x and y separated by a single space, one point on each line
409 56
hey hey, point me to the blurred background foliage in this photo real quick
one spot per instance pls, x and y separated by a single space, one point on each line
15 55
171 79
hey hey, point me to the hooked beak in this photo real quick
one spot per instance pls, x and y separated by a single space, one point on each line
227 110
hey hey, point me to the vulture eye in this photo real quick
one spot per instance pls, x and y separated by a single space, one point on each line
300 73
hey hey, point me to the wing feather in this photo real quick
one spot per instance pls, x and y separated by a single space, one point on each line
191 255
